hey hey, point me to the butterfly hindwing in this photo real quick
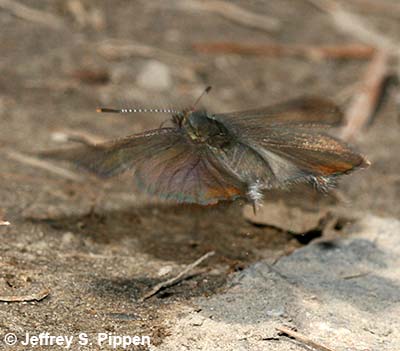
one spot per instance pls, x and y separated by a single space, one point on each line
188 173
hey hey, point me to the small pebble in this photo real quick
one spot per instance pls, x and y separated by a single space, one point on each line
164 271
276 312
196 320
154 76
68 238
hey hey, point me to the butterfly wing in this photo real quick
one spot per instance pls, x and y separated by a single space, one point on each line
318 154
116 156
293 154
188 173
164 164
304 111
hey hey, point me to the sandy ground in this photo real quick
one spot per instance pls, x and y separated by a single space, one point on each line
93 248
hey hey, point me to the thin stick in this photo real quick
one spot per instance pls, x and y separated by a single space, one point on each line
234 13
304 339
32 15
78 11
377 7
364 102
179 277
35 162
346 51
355 275
355 26
25 298
77 136
84 17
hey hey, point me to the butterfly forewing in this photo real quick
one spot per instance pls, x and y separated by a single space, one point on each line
292 152
316 152
116 156
305 111
300 155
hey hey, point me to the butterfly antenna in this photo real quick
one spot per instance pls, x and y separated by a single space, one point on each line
137 110
205 91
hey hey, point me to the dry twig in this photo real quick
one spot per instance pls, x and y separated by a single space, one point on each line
77 136
374 7
354 275
233 13
302 338
38 296
346 51
76 8
365 102
92 76
42 164
27 13
84 17
178 278
356 27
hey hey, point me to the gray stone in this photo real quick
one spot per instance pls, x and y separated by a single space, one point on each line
344 294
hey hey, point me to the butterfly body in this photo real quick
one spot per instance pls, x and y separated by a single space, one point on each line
206 158
233 156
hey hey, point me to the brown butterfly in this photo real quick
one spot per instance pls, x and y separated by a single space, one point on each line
206 158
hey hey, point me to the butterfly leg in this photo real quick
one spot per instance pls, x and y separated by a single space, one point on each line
254 207
255 194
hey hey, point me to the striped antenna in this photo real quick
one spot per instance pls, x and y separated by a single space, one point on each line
152 110
137 110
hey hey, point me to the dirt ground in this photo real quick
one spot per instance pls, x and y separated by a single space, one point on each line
95 247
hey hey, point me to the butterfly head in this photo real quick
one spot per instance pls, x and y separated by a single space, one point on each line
190 117
200 127
197 126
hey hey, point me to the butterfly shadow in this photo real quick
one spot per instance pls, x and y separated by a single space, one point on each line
180 235
174 234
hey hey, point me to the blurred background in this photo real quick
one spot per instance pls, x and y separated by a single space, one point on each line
96 246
